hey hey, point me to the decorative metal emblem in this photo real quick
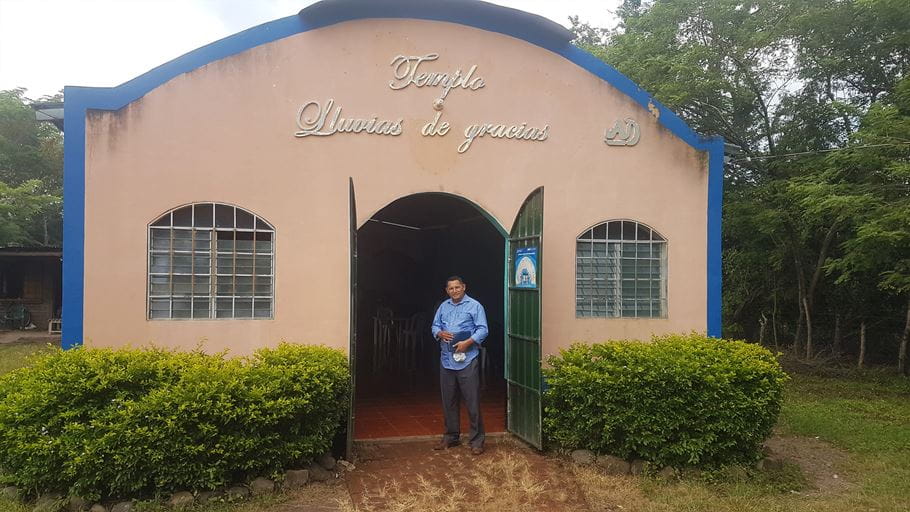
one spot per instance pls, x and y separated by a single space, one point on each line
625 132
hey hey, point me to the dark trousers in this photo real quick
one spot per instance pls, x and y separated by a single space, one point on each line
457 384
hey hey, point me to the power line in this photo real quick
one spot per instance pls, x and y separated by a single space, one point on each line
801 153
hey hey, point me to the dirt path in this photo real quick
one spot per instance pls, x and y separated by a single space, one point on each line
410 476
508 476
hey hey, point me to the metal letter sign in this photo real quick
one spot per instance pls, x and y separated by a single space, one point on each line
624 133
322 119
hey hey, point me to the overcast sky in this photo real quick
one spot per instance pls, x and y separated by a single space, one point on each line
46 44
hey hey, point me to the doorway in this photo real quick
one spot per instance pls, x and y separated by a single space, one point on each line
405 252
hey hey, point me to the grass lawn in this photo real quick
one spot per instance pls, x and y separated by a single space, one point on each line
15 355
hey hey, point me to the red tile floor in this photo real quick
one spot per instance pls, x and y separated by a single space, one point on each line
419 413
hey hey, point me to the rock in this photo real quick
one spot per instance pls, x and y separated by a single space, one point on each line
319 473
97 507
637 467
737 473
207 496
327 461
123 506
236 493
692 473
262 486
612 465
10 492
770 464
347 466
582 457
294 478
667 473
181 500
76 504
50 502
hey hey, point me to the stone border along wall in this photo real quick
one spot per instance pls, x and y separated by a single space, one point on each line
612 465
323 469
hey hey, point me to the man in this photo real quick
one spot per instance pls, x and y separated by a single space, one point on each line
460 325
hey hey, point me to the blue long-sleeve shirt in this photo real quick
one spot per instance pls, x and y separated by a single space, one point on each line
466 319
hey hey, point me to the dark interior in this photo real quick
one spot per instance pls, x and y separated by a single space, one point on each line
405 252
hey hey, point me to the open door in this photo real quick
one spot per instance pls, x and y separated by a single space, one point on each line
523 333
352 350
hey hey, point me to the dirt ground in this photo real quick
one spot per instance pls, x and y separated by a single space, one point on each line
820 462
411 476
509 476
32 336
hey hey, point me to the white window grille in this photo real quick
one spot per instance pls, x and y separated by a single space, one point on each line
210 260
621 271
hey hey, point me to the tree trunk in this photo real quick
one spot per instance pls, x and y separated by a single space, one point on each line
752 83
820 264
762 325
774 324
801 288
836 344
829 90
807 290
902 354
808 329
862 345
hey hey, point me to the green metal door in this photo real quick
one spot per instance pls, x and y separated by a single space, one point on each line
523 333
352 349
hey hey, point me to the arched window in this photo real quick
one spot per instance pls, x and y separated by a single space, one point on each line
210 260
620 271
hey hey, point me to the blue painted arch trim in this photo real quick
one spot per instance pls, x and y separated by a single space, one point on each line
528 27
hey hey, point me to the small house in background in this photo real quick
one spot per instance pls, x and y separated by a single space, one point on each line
316 179
30 287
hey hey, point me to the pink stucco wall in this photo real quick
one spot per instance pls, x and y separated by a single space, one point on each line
225 133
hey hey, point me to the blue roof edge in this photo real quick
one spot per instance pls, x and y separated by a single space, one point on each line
518 24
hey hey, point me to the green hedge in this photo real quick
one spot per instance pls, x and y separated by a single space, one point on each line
121 423
681 400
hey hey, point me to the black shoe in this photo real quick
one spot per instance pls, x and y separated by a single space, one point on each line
443 444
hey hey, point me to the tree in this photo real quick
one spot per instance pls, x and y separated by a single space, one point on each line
21 209
797 86
879 158
31 175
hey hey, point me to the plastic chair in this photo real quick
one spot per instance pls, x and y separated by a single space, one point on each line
408 335
382 339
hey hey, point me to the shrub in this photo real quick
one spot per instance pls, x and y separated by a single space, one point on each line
681 400
126 422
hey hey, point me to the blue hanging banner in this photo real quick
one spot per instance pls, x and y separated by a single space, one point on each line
526 267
